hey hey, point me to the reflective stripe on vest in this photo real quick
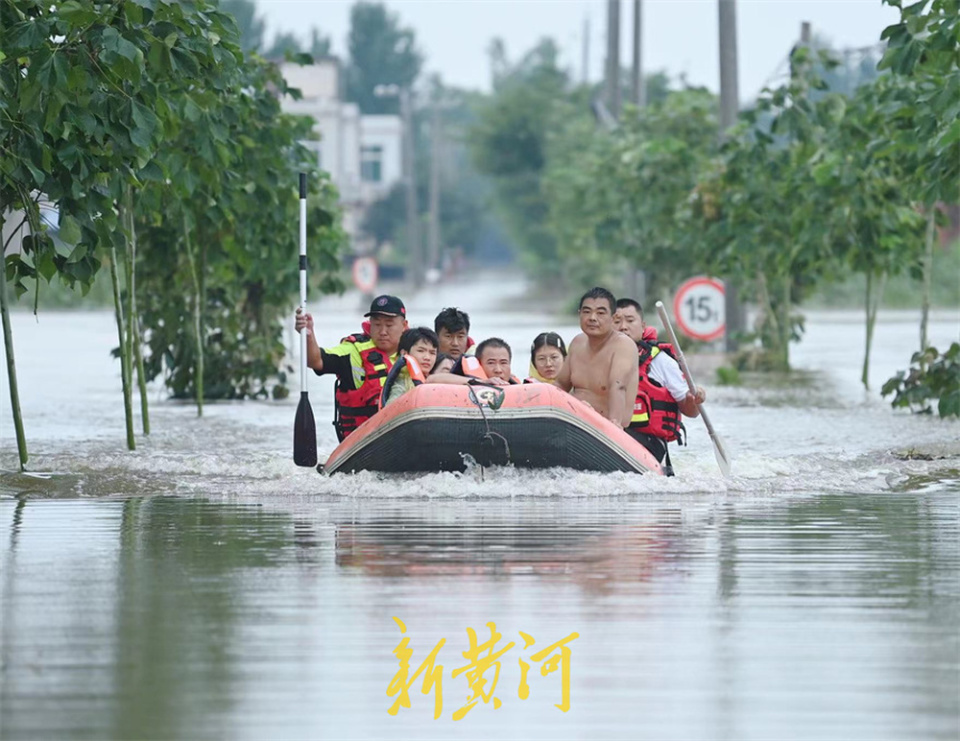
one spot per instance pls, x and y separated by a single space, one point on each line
655 411
370 368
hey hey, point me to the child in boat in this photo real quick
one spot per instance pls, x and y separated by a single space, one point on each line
421 344
547 354
444 364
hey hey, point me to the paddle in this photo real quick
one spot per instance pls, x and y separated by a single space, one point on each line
304 426
718 450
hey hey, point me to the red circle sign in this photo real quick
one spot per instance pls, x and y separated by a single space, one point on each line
700 310
365 273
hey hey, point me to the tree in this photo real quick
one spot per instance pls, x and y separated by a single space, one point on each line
284 44
87 93
618 193
250 26
381 53
320 44
509 143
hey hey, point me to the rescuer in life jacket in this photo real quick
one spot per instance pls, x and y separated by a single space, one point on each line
491 365
360 362
420 344
662 392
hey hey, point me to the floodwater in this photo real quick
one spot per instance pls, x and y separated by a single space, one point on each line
204 587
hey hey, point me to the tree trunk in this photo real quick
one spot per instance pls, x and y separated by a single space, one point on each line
136 341
927 277
8 347
197 320
125 374
873 300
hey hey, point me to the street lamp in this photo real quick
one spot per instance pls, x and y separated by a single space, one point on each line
415 257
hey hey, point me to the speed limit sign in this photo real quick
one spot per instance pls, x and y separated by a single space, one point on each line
699 308
365 274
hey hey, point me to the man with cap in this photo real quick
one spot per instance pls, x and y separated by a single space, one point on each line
361 362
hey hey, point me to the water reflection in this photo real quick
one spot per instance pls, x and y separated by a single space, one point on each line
817 615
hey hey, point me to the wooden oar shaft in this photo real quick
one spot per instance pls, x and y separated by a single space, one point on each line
721 454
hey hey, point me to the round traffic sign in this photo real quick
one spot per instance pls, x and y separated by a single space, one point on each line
365 274
699 308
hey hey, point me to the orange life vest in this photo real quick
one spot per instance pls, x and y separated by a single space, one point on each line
655 411
471 368
354 406
413 369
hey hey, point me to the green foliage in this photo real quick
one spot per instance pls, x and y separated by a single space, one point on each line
155 99
728 375
240 204
932 376
924 47
618 194
509 144
250 26
381 53
85 94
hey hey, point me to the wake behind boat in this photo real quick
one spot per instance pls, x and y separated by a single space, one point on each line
438 427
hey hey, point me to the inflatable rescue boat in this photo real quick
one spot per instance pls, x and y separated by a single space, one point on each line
441 427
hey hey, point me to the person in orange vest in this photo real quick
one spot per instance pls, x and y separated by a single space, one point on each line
418 354
662 391
491 364
360 362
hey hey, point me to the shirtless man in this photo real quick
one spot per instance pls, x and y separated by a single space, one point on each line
601 367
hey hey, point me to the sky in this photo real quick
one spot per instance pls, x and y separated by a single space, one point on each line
679 36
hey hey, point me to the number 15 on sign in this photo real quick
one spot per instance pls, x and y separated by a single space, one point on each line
699 308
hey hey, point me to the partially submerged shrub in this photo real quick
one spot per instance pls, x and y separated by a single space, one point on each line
932 376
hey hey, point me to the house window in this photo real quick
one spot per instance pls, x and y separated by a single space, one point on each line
371 164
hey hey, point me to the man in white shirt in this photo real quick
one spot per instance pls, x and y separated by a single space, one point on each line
662 393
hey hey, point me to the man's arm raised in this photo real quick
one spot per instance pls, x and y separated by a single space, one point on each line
314 356
623 380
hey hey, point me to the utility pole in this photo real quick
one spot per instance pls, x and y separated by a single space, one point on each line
637 87
585 60
415 257
433 235
638 287
729 107
613 57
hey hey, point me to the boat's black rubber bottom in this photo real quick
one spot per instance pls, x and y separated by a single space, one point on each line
429 445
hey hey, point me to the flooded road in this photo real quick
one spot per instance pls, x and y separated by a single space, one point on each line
204 586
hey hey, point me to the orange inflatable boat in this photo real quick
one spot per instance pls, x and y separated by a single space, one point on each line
439 427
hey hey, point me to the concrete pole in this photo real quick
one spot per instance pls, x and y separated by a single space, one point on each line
433 235
637 88
729 107
585 60
415 256
612 76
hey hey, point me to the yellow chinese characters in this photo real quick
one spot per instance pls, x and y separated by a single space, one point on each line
477 666
482 658
432 676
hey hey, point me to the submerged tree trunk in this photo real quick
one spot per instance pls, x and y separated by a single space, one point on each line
8 347
775 330
197 320
133 319
125 374
873 299
927 277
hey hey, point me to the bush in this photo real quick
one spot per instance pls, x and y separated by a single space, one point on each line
931 376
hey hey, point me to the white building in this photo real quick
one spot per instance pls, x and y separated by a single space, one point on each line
361 153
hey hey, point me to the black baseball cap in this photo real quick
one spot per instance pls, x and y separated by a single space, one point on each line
388 306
